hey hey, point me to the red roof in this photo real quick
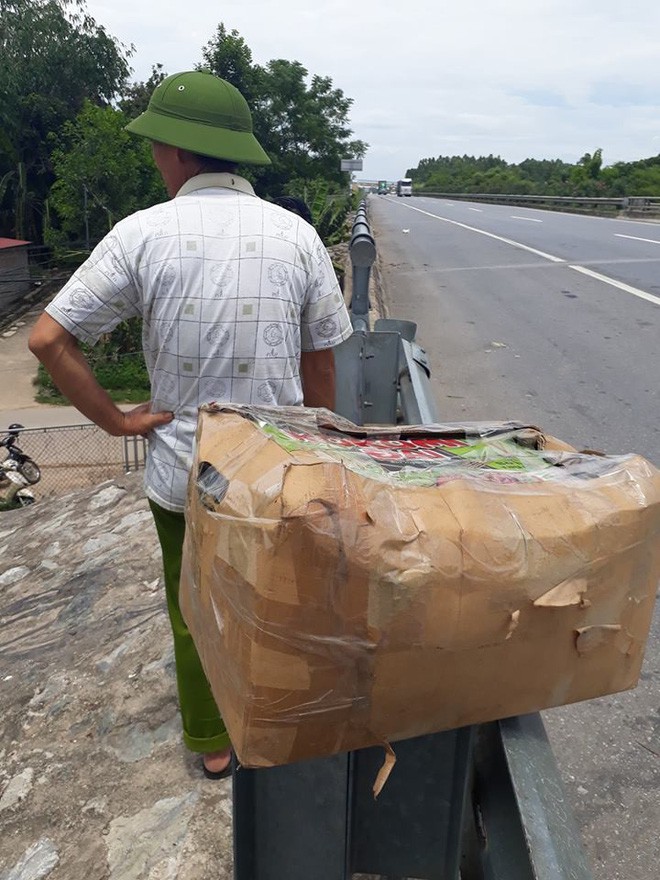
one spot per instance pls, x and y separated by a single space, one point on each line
11 242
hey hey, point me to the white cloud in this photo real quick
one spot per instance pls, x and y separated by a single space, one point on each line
509 77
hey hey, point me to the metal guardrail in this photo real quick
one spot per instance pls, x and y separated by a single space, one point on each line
628 204
478 803
383 374
362 249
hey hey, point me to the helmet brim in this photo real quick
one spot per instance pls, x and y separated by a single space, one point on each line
199 137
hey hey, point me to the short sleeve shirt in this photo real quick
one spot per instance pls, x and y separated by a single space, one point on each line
230 288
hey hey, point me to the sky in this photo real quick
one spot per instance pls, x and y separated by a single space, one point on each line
542 79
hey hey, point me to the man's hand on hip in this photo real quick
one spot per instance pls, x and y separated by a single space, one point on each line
58 351
140 420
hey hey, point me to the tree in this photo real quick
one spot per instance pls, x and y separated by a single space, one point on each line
586 174
102 174
135 97
229 56
491 174
302 123
53 56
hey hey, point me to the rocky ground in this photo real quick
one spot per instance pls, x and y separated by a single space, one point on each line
94 780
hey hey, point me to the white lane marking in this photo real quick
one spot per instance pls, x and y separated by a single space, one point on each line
636 238
642 294
478 210
529 219
516 244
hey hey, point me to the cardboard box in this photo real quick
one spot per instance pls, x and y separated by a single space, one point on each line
348 586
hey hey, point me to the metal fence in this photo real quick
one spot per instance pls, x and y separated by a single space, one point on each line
76 456
628 205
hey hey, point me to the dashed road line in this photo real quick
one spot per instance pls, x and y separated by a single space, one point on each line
516 244
636 238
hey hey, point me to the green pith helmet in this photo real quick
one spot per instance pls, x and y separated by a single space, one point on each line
201 113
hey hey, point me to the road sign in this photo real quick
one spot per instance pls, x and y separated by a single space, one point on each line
351 164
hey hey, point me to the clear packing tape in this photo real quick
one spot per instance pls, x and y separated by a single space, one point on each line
350 586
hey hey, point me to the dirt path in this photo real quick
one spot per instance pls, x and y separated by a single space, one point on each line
18 369
18 366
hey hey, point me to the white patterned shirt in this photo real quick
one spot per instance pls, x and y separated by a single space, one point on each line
230 289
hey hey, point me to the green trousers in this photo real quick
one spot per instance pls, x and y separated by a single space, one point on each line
203 727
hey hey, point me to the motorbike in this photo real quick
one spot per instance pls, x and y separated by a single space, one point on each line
17 472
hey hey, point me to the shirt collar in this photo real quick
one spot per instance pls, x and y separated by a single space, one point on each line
222 179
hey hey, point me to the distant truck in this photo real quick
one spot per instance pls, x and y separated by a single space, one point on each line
383 188
404 187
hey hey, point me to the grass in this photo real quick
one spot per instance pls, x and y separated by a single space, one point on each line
126 381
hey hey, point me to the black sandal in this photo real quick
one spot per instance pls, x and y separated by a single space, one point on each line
218 774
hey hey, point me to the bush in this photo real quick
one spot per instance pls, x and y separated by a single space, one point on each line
125 378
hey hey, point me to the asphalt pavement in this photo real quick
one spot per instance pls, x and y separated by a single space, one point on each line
515 329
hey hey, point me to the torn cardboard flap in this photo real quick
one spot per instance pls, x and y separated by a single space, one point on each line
570 592
591 638
386 768
349 586
300 495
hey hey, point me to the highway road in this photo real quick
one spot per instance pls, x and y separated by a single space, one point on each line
545 317
552 319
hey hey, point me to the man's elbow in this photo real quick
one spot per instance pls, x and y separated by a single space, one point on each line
47 337
37 343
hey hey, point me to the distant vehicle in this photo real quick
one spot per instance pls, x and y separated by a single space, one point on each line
383 187
404 187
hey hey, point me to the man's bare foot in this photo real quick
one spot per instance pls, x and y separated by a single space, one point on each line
216 762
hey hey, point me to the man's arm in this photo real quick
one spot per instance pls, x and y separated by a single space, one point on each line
317 369
58 351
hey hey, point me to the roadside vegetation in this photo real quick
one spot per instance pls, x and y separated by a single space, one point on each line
549 177
69 171
116 361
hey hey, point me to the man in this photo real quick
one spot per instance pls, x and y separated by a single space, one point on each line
239 303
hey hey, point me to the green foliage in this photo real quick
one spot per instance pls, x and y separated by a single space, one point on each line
634 178
301 122
136 96
116 361
228 55
102 174
329 205
53 56
551 177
